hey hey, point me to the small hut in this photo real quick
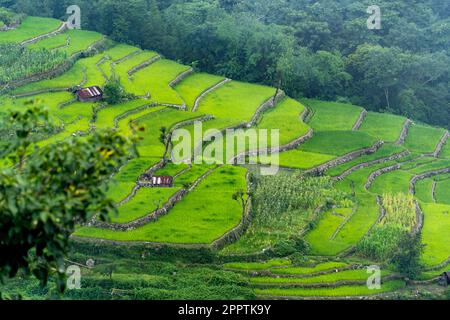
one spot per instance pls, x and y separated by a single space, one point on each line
162 181
157 181
90 94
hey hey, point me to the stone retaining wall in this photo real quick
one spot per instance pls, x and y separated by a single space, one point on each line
289 146
379 172
130 196
266 105
181 77
360 120
304 114
133 111
419 218
441 144
370 163
413 181
343 159
143 65
433 191
128 56
404 133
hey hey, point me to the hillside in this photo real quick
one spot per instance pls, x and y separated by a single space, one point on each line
366 154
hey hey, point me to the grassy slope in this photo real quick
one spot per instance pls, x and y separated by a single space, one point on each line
80 40
191 87
331 116
30 28
435 233
361 290
384 126
443 191
423 138
200 217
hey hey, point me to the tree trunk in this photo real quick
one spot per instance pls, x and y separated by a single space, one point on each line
386 94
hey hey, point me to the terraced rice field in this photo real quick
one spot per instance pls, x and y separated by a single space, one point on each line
423 139
435 233
332 116
187 222
192 87
29 28
208 211
384 126
70 42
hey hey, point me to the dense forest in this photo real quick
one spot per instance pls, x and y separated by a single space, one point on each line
318 49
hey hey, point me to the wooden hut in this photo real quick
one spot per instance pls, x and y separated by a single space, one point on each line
90 94
157 181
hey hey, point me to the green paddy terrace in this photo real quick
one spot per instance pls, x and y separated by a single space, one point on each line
30 28
323 147
332 116
203 215
70 42
423 139
192 87
384 126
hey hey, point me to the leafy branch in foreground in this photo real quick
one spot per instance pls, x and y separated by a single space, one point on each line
55 189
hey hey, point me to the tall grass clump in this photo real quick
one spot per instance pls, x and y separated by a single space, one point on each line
284 206
400 210
17 62
392 241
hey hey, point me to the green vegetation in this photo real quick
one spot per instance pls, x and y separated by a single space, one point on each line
435 233
286 118
384 126
265 265
332 116
154 80
283 206
17 62
49 191
300 223
423 139
346 275
69 42
144 202
29 28
400 210
386 150
360 290
202 216
350 231
337 143
9 19
193 86
442 191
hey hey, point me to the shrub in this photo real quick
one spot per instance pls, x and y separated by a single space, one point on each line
400 210
381 243
114 92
